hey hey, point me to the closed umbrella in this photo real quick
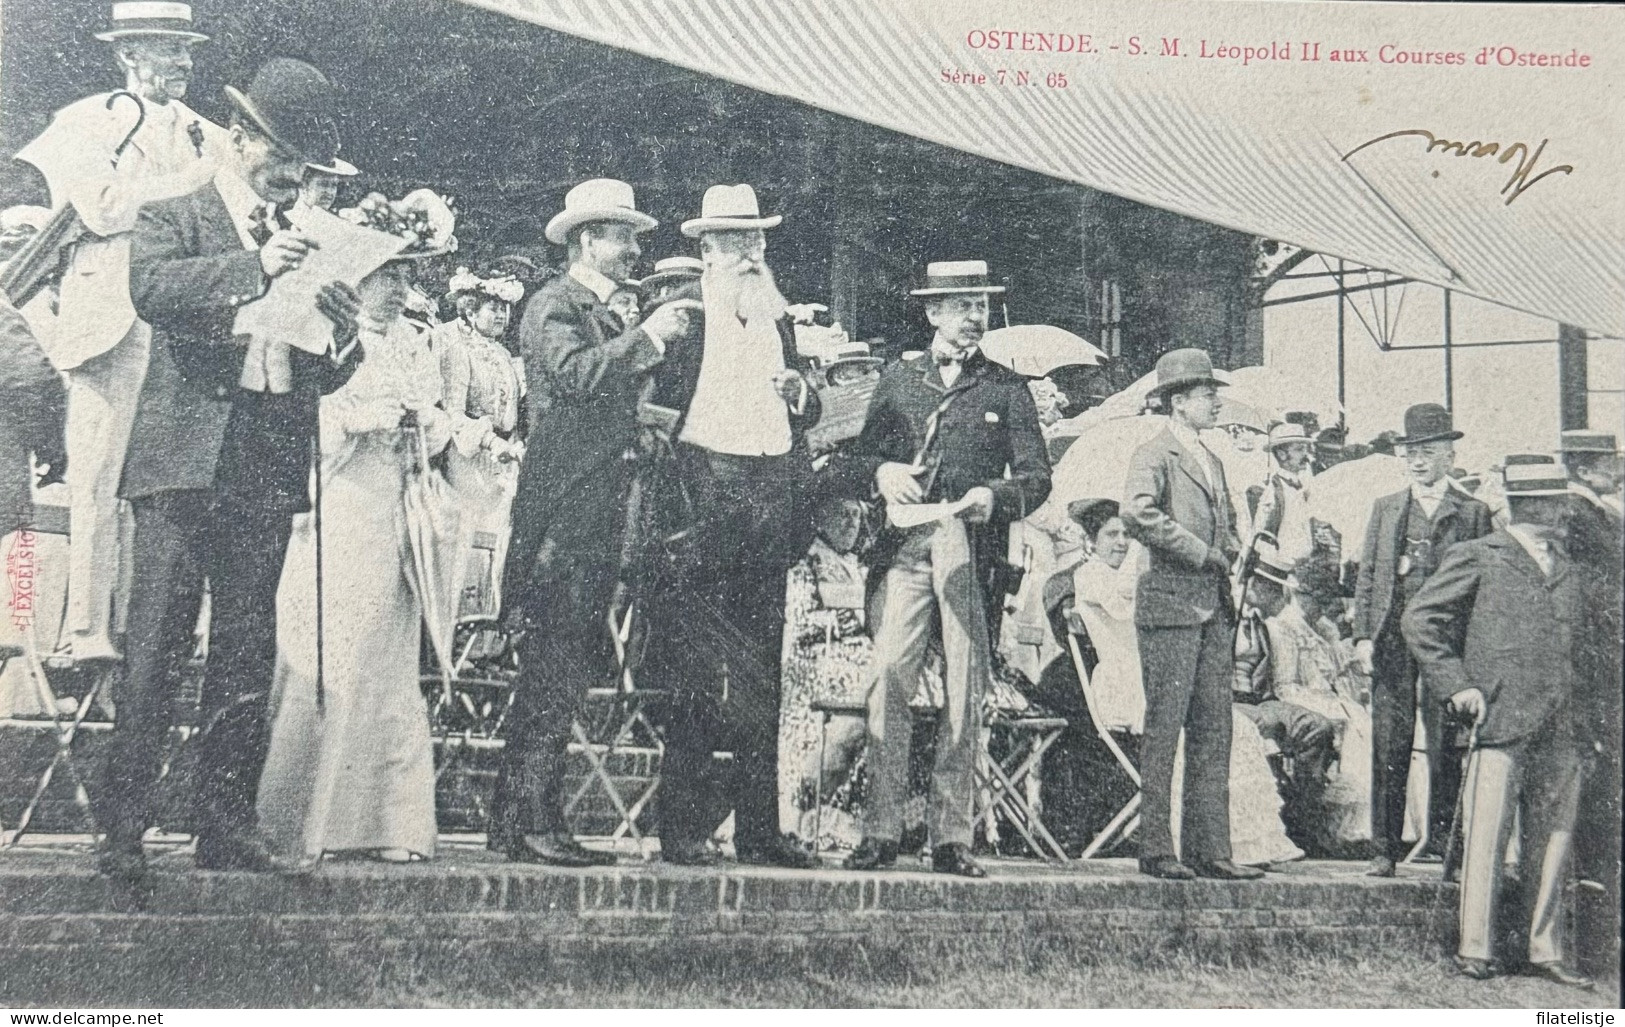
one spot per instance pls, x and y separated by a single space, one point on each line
433 520
1036 350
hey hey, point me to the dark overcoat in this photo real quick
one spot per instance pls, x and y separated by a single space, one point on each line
1459 518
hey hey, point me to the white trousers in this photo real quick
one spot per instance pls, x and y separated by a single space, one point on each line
102 396
1535 784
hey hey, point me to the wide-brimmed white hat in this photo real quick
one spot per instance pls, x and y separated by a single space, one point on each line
151 18
728 208
1285 433
597 199
954 277
337 166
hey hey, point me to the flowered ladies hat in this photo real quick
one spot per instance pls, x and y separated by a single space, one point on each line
506 288
423 217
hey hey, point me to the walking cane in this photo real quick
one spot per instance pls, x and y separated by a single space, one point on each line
1451 836
316 514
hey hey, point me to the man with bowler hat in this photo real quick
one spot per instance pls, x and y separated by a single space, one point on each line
219 462
945 426
1495 630
585 374
1178 506
1409 533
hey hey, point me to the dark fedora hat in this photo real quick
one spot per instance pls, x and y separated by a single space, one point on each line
293 104
1428 422
1183 368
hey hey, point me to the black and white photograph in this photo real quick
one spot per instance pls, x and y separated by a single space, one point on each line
811 504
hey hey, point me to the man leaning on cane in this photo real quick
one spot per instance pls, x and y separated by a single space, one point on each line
1494 631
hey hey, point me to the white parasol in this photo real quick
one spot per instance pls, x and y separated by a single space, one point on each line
1342 495
432 518
1036 350
1274 393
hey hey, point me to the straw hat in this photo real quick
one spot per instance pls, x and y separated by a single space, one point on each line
597 199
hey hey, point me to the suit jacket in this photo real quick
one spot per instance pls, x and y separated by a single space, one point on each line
1459 518
195 428
1180 518
990 428
1490 619
75 154
33 408
585 374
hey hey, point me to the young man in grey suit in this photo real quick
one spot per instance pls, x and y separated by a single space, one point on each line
1178 506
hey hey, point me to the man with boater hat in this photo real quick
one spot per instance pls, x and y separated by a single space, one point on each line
1178 506
1495 630
947 426
1408 534
105 156
219 463
585 374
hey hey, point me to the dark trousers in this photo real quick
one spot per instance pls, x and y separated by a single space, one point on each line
721 630
563 650
1393 730
1187 685
1309 740
181 537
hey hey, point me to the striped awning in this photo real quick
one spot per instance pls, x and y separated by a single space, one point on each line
1257 148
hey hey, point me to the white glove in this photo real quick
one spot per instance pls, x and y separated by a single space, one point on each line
436 428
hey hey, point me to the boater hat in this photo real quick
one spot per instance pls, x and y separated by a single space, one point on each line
1282 434
1583 441
293 104
597 199
151 18
1428 422
1183 368
1271 564
729 208
956 277
1535 480
673 269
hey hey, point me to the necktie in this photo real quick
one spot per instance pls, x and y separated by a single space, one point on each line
260 228
944 359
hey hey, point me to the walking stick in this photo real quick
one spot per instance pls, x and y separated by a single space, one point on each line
316 514
1456 827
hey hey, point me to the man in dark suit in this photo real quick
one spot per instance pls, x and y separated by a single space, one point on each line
1496 630
586 374
218 464
949 426
1408 534
742 412
1178 506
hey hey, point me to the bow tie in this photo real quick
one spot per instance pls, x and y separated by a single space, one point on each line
956 357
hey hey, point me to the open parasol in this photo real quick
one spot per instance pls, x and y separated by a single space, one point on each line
1036 350
1342 494
432 532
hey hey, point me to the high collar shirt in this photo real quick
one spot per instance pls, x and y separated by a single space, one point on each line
949 358
266 366
1428 497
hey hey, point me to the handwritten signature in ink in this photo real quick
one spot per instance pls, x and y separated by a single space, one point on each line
1523 176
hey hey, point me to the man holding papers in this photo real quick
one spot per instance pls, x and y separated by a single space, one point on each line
218 463
952 427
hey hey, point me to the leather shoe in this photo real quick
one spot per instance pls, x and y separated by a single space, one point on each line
246 851
1382 866
783 851
1224 870
1168 868
872 854
1557 974
120 857
954 858
557 849
687 853
1477 969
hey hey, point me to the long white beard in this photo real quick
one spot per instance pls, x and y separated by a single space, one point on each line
750 295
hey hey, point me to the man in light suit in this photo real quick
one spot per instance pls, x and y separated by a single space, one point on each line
1408 534
219 462
106 155
1178 506
586 374
1497 631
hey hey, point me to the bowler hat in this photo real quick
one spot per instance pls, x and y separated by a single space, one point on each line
1183 368
1428 422
294 105
151 18
597 199
729 208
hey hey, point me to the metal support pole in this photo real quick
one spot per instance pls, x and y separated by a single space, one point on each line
1449 370
1342 378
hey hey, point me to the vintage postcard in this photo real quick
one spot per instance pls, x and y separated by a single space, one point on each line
810 503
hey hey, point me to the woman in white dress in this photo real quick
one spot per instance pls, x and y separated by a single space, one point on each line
1312 667
351 771
1104 585
480 389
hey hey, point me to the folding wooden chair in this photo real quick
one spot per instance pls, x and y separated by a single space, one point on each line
1008 785
1125 820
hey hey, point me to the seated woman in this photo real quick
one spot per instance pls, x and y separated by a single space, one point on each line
1104 585
351 768
1311 667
